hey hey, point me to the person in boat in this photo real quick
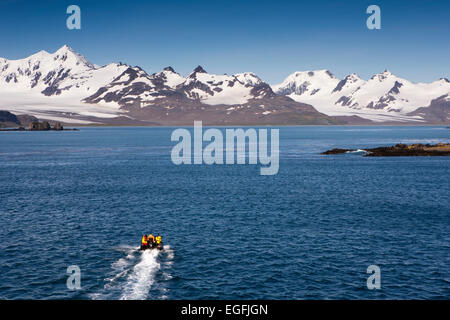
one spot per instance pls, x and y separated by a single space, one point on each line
151 241
144 242
158 240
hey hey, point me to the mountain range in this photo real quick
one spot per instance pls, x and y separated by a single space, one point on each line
64 86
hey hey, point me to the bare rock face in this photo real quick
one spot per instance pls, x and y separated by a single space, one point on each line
7 119
437 112
39 126
26 119
44 126
58 127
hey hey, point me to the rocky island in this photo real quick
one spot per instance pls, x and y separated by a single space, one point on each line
14 122
400 150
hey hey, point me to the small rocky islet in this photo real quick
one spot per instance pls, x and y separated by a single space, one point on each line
399 150
41 126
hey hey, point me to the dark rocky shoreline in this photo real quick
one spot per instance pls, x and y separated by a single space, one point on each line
400 150
23 129
40 126
24 122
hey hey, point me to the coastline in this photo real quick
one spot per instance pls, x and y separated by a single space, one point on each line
97 125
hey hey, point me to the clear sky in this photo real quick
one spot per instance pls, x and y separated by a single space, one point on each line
270 38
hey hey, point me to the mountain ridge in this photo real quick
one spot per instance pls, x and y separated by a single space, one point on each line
65 86
383 93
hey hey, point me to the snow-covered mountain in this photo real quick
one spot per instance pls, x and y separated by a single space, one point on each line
52 85
64 72
307 83
383 97
437 112
134 87
65 86
167 97
216 89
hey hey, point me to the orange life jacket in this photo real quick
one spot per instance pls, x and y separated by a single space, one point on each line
144 240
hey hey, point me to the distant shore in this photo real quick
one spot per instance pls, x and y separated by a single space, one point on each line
153 125
27 130
101 125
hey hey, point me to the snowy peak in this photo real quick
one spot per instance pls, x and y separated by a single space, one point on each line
325 74
386 75
43 71
168 77
248 78
66 53
381 91
130 75
349 83
197 70
307 83
169 68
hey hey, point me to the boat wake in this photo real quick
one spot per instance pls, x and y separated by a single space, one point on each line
136 273
142 277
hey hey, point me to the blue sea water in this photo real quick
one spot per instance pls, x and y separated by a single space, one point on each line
86 197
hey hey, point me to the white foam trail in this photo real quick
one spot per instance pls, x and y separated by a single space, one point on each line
141 278
135 274
121 268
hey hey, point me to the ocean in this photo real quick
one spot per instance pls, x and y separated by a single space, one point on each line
85 198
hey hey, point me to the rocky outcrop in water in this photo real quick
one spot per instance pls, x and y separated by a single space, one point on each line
39 126
400 150
45 126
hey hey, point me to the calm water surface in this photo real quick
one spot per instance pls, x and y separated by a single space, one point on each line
85 198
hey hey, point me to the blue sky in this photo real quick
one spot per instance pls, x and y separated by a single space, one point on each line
270 38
